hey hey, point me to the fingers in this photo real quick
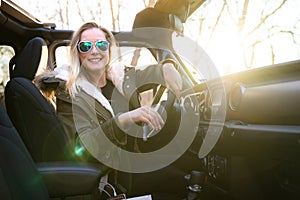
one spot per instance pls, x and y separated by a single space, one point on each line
152 118
176 87
172 78
144 114
115 73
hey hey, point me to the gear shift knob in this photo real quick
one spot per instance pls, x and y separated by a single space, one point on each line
197 178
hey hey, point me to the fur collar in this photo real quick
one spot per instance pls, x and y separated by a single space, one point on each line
115 73
62 72
92 90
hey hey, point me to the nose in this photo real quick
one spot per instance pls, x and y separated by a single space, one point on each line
94 49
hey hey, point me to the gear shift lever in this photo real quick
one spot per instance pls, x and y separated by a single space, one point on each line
195 185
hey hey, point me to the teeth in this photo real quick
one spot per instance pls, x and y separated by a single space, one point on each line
95 59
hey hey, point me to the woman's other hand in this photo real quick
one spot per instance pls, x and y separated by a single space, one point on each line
172 78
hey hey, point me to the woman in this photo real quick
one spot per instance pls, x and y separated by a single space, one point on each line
92 83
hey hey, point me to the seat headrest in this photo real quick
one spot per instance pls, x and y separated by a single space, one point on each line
32 59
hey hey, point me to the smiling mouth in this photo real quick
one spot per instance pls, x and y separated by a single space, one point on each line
95 59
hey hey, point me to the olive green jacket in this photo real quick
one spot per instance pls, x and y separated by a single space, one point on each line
87 117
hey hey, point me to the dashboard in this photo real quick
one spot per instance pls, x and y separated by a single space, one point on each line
249 125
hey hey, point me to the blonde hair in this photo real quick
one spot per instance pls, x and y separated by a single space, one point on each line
75 61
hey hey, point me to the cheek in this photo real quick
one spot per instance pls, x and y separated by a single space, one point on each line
105 58
82 57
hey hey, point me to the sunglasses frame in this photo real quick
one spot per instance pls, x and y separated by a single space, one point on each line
93 44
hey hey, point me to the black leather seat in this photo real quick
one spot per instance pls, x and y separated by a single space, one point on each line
21 179
30 112
17 167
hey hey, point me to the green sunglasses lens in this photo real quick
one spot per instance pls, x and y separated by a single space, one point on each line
85 46
102 45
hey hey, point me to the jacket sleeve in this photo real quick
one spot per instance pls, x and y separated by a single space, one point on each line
90 117
142 80
84 126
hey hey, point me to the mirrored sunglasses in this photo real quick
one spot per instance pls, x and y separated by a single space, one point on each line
86 46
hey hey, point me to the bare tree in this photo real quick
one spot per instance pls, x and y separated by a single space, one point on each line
265 15
217 20
67 14
62 13
79 10
118 15
6 53
99 8
135 57
250 37
112 14
149 3
137 51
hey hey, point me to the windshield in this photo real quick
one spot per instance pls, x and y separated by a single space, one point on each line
240 35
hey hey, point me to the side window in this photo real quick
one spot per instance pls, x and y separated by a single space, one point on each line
62 55
135 56
6 53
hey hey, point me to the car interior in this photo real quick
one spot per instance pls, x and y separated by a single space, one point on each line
235 137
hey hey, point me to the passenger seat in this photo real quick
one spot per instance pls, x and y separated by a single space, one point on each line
30 112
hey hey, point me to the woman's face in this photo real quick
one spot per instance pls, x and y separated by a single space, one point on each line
94 60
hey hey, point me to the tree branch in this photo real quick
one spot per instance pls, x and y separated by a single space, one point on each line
217 21
263 20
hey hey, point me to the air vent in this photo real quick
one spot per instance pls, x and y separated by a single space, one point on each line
236 96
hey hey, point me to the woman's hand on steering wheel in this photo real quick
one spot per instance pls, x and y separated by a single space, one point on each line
172 78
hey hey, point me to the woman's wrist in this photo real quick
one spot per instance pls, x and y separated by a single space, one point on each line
122 121
170 61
